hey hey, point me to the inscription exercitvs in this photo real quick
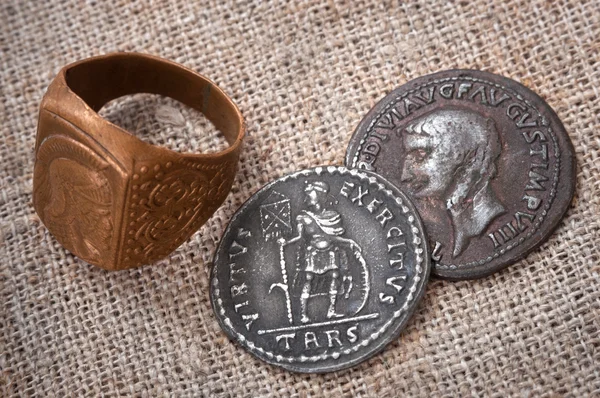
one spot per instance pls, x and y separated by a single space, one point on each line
395 240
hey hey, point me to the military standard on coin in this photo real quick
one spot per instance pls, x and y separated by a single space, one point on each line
487 161
320 269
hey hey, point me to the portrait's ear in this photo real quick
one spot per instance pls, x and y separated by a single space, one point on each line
492 133
400 131
493 147
465 177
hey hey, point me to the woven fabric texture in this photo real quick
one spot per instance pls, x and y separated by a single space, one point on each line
303 75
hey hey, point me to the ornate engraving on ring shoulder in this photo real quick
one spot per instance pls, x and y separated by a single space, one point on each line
167 203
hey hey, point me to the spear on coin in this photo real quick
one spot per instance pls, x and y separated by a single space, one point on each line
275 223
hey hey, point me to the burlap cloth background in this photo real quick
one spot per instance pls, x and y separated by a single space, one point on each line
303 75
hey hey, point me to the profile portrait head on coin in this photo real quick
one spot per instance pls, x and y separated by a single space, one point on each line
451 156
487 161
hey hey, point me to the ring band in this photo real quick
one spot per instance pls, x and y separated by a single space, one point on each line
110 198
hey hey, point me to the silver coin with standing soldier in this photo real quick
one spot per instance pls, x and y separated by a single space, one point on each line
320 269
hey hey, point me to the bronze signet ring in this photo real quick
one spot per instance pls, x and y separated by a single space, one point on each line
110 198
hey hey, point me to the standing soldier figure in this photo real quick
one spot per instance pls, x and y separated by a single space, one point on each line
323 252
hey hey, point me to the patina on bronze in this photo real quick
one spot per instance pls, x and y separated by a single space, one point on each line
110 198
486 160
320 269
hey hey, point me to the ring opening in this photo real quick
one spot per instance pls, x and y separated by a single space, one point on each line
102 79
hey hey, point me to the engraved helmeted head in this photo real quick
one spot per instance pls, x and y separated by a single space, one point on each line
81 199
452 156
74 197
316 194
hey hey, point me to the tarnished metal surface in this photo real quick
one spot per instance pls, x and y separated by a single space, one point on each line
320 269
487 161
